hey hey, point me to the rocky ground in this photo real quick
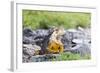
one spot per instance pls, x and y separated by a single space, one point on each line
74 40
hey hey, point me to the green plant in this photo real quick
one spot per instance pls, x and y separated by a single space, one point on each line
70 56
45 19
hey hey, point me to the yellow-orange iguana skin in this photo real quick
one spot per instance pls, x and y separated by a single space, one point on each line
55 47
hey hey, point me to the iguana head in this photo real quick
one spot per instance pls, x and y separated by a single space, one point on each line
59 31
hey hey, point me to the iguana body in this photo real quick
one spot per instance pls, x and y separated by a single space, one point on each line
55 45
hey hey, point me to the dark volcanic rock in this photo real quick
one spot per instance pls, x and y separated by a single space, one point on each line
66 40
28 36
28 32
42 39
28 40
42 32
40 35
72 41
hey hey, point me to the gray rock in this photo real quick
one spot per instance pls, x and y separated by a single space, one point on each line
29 51
28 40
40 35
79 40
42 39
74 40
82 49
66 40
42 32
28 36
76 34
28 32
